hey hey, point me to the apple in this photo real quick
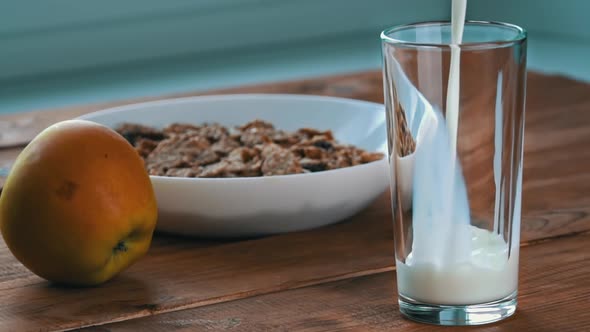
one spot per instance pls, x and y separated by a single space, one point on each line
78 206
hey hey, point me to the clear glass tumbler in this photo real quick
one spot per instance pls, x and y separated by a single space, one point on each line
456 168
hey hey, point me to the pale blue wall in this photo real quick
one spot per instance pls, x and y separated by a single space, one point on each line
40 37
559 31
65 52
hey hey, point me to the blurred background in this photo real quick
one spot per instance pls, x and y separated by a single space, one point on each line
69 52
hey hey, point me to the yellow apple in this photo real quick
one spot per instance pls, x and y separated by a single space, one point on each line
78 206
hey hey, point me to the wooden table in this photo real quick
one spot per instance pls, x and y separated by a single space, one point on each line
337 277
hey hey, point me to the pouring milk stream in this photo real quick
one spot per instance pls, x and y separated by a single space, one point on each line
451 262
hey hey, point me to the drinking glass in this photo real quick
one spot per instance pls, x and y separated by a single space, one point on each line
456 169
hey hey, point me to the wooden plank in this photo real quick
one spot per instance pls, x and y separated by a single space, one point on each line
553 296
19 128
7 157
184 273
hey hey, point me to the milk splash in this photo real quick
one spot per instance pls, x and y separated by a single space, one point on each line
431 178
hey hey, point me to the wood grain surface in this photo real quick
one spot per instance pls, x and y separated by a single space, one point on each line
185 273
180 273
553 296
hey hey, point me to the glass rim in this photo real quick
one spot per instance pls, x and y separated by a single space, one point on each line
520 37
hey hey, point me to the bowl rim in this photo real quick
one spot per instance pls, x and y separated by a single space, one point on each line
180 100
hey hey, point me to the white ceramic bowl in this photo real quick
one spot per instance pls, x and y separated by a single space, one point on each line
236 207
